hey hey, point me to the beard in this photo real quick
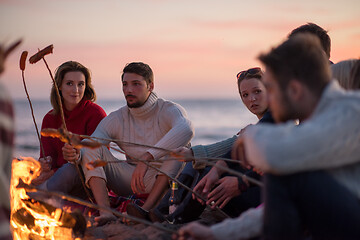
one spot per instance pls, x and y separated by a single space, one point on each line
134 105
288 111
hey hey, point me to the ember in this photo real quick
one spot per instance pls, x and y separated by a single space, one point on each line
36 219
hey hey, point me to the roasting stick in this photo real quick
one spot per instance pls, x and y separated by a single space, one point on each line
34 59
30 188
22 68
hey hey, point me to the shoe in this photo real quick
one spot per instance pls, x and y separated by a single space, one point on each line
156 216
136 211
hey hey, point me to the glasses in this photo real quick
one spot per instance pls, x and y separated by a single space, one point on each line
241 75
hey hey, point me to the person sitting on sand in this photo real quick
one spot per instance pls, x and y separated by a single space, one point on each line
81 115
312 169
232 193
148 120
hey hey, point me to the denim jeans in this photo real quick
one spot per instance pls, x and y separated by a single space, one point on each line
310 202
66 180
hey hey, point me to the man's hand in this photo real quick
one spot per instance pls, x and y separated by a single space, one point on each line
137 179
194 231
70 153
206 184
186 152
238 152
228 187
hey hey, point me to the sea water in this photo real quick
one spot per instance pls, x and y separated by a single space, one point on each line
213 119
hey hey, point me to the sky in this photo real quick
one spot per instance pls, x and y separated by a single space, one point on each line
195 48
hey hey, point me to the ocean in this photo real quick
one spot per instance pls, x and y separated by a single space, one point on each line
214 120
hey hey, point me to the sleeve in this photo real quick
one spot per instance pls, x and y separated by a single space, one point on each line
180 133
217 149
247 225
329 140
48 142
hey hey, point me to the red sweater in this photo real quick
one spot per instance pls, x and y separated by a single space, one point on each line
82 120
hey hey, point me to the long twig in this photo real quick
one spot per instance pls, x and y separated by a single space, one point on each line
95 206
57 94
41 54
207 160
22 67
173 179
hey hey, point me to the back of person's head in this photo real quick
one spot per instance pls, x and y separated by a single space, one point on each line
318 31
141 69
71 66
354 82
341 72
302 58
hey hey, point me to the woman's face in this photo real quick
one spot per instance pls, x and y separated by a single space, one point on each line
72 89
253 94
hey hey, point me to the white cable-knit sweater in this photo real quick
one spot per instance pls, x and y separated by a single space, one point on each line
328 140
157 123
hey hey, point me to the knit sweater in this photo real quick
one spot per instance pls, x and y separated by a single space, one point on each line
328 140
158 123
83 119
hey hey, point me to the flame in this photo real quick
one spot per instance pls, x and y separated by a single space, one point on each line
31 219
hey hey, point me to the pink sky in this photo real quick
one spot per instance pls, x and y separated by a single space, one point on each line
194 47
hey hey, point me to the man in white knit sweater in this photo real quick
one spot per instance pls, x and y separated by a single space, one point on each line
146 120
312 170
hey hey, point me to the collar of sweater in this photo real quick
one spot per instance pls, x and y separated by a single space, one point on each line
146 108
332 90
76 111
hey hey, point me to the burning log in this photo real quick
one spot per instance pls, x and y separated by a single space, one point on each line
36 219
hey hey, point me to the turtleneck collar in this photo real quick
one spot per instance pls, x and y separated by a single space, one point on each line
78 109
146 108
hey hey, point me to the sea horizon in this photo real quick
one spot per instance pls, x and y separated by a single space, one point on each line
213 119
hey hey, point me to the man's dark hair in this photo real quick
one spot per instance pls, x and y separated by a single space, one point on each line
141 69
302 58
318 31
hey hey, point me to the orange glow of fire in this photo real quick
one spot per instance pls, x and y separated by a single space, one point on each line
42 225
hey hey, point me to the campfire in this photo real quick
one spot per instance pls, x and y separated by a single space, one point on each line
34 217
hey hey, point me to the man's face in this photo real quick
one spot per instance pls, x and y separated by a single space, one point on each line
135 89
280 104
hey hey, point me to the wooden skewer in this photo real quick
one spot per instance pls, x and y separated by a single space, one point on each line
30 188
22 67
35 58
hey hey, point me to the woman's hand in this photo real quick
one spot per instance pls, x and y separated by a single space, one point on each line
70 153
45 163
228 187
206 184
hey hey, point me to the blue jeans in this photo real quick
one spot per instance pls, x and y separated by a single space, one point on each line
66 180
311 202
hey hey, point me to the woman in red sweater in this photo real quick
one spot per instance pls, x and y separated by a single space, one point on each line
81 114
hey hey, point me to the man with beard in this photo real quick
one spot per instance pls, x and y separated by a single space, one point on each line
312 183
146 120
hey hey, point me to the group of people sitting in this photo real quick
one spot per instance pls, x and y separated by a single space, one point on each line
304 149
